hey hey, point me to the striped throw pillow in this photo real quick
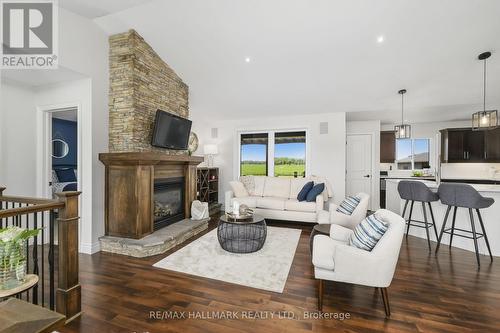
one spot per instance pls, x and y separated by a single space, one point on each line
368 233
348 205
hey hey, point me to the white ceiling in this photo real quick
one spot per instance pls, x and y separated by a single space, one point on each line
323 56
92 8
39 77
418 115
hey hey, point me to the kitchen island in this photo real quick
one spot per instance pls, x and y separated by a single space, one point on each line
491 217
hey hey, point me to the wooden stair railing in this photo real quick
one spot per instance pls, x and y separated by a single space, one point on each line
32 211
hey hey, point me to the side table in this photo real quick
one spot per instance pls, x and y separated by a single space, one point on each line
30 281
318 229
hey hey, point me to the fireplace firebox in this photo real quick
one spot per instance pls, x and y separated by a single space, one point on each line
168 201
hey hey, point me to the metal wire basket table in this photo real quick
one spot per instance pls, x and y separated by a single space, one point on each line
242 236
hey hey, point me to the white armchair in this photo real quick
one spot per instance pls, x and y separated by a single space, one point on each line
335 260
349 221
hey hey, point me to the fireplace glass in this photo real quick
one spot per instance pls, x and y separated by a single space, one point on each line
168 201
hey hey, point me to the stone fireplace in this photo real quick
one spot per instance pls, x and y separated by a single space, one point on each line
168 201
140 83
146 188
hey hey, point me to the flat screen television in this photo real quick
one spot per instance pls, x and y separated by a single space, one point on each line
170 131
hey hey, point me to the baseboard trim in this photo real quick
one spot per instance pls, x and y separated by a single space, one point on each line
90 248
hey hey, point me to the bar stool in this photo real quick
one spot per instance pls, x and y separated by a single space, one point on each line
418 191
464 196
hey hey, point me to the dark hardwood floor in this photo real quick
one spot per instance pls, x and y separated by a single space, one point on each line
428 294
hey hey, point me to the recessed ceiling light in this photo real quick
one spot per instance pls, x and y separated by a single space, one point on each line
380 39
247 59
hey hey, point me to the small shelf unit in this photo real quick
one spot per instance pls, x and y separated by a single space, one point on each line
208 188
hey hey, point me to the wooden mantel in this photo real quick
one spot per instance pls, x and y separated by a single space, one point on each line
129 188
147 158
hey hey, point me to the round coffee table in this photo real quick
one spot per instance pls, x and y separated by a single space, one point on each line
242 236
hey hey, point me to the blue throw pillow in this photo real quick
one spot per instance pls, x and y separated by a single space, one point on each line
302 196
70 187
348 205
367 233
66 175
314 192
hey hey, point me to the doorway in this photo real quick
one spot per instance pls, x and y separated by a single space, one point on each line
59 152
63 151
359 164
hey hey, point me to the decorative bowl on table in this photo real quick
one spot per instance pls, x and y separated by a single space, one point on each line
244 214
239 217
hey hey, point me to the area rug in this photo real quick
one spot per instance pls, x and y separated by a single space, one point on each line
266 269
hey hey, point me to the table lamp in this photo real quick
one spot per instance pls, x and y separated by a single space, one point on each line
210 150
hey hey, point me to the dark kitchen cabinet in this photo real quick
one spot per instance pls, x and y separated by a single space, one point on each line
474 145
460 145
492 145
454 146
387 147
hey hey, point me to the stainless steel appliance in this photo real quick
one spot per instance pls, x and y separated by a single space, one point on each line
383 175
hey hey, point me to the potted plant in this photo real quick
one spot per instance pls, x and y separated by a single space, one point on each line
417 173
13 255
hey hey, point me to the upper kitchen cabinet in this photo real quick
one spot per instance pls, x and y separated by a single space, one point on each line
461 145
452 145
475 146
387 147
492 145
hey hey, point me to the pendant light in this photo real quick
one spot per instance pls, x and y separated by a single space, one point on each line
402 131
486 119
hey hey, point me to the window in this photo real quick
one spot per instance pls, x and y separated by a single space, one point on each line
290 154
412 154
282 154
404 155
421 155
253 152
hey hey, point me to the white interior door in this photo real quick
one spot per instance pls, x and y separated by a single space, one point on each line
359 164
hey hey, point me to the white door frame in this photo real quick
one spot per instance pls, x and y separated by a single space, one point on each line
372 178
44 149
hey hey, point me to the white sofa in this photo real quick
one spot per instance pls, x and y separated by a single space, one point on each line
276 198
348 221
335 260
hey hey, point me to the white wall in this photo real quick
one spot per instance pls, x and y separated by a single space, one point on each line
370 127
83 48
17 162
202 127
325 155
75 93
23 155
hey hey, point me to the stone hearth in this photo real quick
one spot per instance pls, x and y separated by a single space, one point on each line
158 242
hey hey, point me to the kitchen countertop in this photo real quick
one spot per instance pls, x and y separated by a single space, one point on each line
434 185
408 177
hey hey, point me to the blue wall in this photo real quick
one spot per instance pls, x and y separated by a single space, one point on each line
67 131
